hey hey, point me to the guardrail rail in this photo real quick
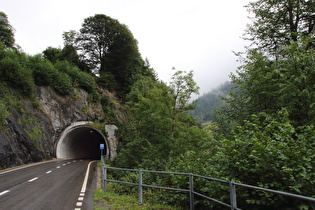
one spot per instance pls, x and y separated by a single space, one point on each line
232 187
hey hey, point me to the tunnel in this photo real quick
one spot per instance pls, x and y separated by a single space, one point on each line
81 140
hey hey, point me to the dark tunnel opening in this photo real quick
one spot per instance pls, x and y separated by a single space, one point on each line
81 142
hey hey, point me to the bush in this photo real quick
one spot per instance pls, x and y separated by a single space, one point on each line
17 75
269 152
79 78
43 71
87 82
3 113
107 80
62 83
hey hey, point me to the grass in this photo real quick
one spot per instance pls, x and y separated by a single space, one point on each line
112 200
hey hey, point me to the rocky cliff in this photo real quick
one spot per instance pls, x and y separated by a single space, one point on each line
33 126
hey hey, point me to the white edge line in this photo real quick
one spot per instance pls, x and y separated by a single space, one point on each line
83 189
4 192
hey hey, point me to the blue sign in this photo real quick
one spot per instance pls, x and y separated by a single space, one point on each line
102 146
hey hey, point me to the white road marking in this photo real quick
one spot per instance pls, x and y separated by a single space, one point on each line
83 189
74 161
4 192
64 164
68 162
48 172
58 166
31 180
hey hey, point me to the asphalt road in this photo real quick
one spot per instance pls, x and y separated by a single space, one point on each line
55 185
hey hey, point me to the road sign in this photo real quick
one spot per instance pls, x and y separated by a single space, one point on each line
102 146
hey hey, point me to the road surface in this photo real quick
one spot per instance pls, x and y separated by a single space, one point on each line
55 185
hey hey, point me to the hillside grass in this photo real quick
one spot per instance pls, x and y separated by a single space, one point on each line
111 200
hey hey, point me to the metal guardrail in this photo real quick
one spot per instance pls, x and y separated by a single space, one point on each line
192 193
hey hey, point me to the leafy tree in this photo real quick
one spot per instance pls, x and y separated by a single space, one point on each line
52 54
155 124
268 152
96 37
147 135
182 87
67 53
6 31
110 48
268 86
276 22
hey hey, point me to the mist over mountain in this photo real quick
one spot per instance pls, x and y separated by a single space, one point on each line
209 103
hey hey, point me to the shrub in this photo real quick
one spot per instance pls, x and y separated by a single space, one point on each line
82 79
43 71
62 83
17 75
3 113
269 152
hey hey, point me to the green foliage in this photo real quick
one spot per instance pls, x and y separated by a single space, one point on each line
158 138
44 72
148 132
112 200
62 83
6 31
269 86
67 53
78 77
107 80
52 54
3 113
110 48
269 152
211 102
14 71
108 109
275 23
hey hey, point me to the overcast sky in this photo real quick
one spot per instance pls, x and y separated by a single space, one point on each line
198 35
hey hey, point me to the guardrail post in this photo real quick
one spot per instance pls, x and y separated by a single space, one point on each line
104 178
191 191
140 187
233 195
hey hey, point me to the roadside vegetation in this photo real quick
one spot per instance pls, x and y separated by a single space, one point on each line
263 134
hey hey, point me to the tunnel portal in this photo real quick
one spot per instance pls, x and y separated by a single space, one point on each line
81 141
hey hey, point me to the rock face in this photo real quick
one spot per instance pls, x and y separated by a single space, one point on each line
31 133
112 136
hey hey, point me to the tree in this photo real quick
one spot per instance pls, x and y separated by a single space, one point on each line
6 31
147 136
110 48
276 73
276 22
268 86
182 87
270 152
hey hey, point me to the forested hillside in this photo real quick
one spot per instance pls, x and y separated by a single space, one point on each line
210 103
264 136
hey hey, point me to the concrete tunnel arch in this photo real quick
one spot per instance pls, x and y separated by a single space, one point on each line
81 140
